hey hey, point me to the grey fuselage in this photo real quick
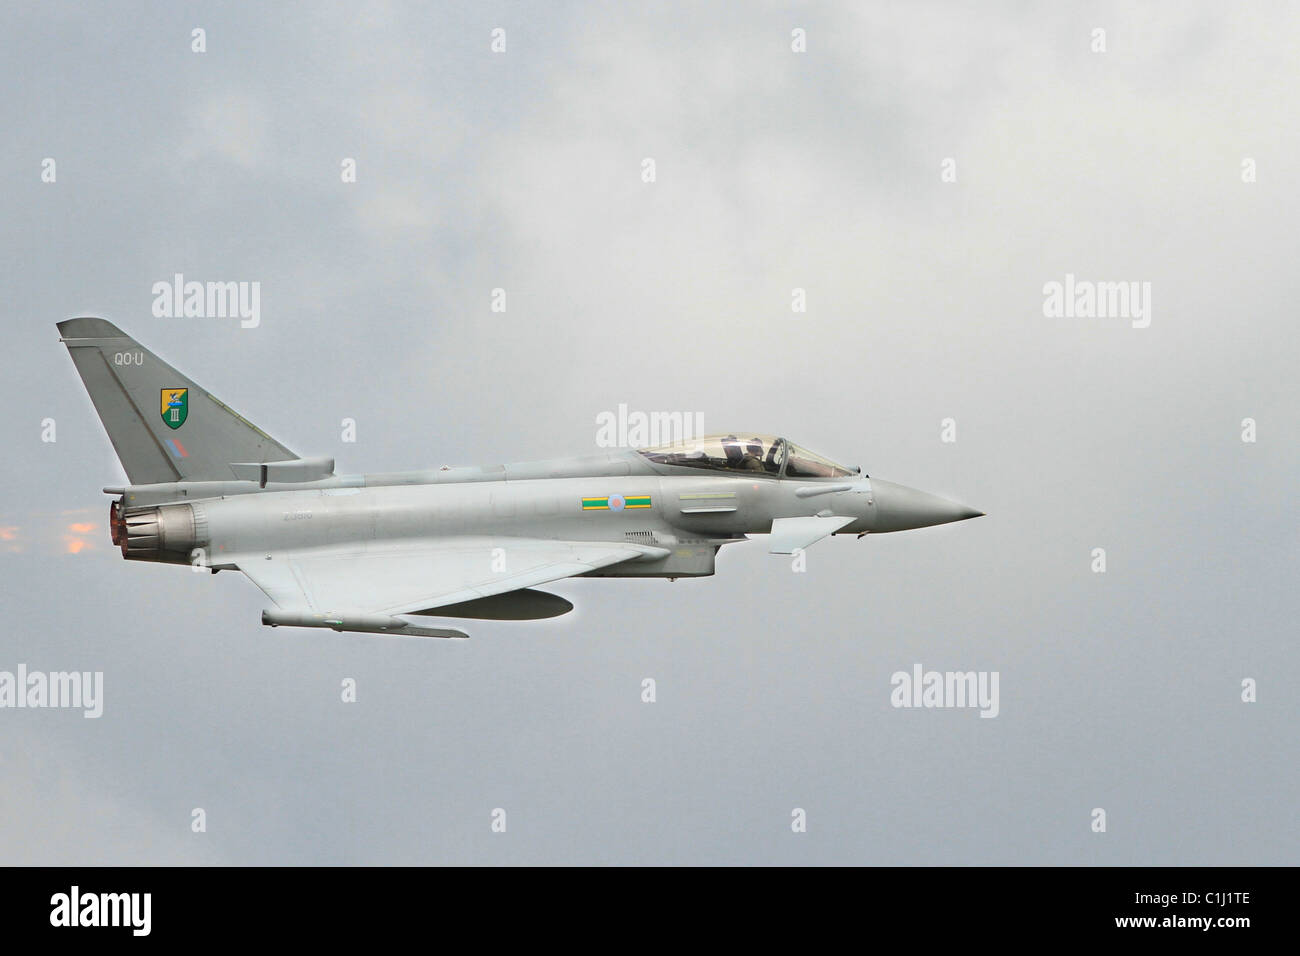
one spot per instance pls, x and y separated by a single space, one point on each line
688 512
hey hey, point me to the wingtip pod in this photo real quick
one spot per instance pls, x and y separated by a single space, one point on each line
358 623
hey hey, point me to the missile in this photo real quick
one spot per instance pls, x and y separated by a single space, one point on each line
359 623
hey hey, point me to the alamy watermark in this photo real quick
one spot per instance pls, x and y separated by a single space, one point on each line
208 300
624 429
1085 299
75 908
82 690
946 689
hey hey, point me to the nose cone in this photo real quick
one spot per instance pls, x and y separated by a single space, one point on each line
900 508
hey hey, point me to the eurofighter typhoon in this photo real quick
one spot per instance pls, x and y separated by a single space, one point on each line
360 553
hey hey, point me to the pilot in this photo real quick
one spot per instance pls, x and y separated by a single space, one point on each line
753 455
735 454
770 463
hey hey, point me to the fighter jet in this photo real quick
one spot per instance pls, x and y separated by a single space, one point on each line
362 553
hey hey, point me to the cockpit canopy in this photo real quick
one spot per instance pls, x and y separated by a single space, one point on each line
746 452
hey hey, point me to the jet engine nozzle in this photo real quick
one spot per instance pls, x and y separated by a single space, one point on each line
164 533
115 524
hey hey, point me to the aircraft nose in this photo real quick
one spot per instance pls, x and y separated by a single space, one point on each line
900 508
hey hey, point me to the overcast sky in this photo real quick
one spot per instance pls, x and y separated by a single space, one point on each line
775 170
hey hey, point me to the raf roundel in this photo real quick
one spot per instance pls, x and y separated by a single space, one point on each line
617 503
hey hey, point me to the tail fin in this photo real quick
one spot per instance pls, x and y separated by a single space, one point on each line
162 425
